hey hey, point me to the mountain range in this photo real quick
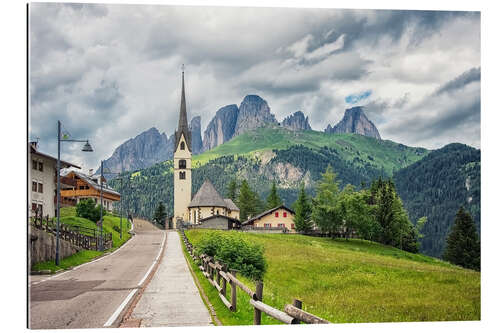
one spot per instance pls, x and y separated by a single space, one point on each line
151 147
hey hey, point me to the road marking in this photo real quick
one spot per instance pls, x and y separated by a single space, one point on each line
113 317
87 263
120 308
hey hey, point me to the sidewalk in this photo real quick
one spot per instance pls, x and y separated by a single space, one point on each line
171 298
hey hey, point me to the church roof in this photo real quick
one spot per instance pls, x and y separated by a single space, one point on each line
183 128
207 196
230 205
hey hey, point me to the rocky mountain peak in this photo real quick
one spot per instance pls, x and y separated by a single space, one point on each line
253 113
355 121
195 128
296 122
221 127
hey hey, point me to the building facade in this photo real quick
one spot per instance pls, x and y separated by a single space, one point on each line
182 165
207 202
278 217
42 176
78 186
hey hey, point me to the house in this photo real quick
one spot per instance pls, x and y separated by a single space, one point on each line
207 202
220 222
42 176
87 186
277 218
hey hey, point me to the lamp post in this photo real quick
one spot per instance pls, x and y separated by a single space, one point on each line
86 148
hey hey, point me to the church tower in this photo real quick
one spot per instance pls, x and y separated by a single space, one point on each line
182 164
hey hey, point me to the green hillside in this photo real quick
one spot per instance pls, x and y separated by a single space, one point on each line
436 187
354 281
268 154
363 150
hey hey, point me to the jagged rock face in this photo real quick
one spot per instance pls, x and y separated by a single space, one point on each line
144 150
355 121
296 122
221 127
195 128
254 112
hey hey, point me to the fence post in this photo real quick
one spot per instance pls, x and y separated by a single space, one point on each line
233 291
223 291
217 271
298 305
257 314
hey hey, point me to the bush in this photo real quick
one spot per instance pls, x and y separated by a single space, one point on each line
89 210
231 249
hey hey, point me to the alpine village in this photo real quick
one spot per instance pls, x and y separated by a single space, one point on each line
258 221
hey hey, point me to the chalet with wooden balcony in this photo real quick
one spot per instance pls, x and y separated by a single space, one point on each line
42 177
79 186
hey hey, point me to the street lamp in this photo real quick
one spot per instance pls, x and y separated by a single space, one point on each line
86 148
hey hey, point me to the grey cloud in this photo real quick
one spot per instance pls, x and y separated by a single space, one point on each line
472 75
111 71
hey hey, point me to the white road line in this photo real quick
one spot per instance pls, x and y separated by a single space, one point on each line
120 308
113 317
87 263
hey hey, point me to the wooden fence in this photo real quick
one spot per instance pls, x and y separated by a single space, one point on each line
220 275
86 238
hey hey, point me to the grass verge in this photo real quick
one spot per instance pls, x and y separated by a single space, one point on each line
353 281
68 217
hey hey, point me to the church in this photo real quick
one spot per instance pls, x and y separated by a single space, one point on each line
207 202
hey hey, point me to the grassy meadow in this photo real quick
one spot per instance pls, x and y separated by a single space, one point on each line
353 281
68 217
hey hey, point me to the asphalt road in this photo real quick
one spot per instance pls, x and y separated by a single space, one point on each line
89 295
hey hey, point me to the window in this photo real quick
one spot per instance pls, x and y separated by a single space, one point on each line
82 187
40 166
33 207
33 186
183 145
182 164
277 214
182 175
217 212
40 209
267 225
281 225
40 188
293 225
35 164
284 214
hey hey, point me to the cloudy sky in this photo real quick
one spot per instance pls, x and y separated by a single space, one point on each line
109 72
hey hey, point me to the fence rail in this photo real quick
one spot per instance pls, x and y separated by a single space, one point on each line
219 275
86 238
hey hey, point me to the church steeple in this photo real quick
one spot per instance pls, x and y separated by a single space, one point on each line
183 124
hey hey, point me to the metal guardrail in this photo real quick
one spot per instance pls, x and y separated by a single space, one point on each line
219 275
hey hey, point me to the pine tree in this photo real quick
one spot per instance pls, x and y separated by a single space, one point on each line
462 244
160 214
325 213
273 199
248 201
303 210
232 190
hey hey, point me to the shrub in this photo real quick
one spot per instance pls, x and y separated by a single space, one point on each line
89 210
231 249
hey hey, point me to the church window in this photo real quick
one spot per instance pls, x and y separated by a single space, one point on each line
182 164
182 175
183 146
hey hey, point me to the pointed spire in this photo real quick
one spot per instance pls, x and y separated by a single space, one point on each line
183 124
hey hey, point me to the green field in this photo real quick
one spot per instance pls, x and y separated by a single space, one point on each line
382 153
68 217
354 281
